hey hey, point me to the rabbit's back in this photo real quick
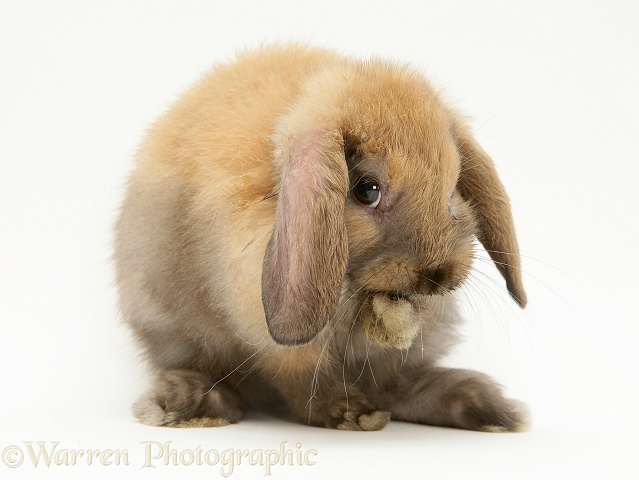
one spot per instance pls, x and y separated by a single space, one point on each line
226 120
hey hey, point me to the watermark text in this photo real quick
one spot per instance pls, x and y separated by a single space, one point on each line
153 455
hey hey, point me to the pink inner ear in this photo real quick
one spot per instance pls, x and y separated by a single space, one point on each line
302 277
300 186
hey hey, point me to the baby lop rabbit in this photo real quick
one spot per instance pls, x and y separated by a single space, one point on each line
295 229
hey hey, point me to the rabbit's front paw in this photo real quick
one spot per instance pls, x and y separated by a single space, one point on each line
185 398
349 413
375 420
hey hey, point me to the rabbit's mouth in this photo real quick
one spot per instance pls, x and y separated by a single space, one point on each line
396 297
401 281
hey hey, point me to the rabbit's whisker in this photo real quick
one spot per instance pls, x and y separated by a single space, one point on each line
337 324
234 370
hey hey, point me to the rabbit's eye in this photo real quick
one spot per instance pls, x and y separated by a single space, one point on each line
368 192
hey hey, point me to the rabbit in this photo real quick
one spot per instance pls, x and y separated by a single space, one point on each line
294 231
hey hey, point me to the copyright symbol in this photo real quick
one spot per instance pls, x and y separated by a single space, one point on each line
12 456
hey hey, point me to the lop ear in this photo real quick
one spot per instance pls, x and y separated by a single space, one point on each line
305 259
479 184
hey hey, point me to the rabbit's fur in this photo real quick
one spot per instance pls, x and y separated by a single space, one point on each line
249 271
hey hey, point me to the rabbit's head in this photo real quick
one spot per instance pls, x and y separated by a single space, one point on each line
380 184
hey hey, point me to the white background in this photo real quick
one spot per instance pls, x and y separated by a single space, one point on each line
552 87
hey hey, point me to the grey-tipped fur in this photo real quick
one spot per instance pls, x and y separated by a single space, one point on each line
241 202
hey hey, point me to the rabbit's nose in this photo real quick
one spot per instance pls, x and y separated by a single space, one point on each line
435 280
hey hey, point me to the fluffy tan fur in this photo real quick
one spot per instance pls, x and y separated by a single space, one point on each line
244 263
390 323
